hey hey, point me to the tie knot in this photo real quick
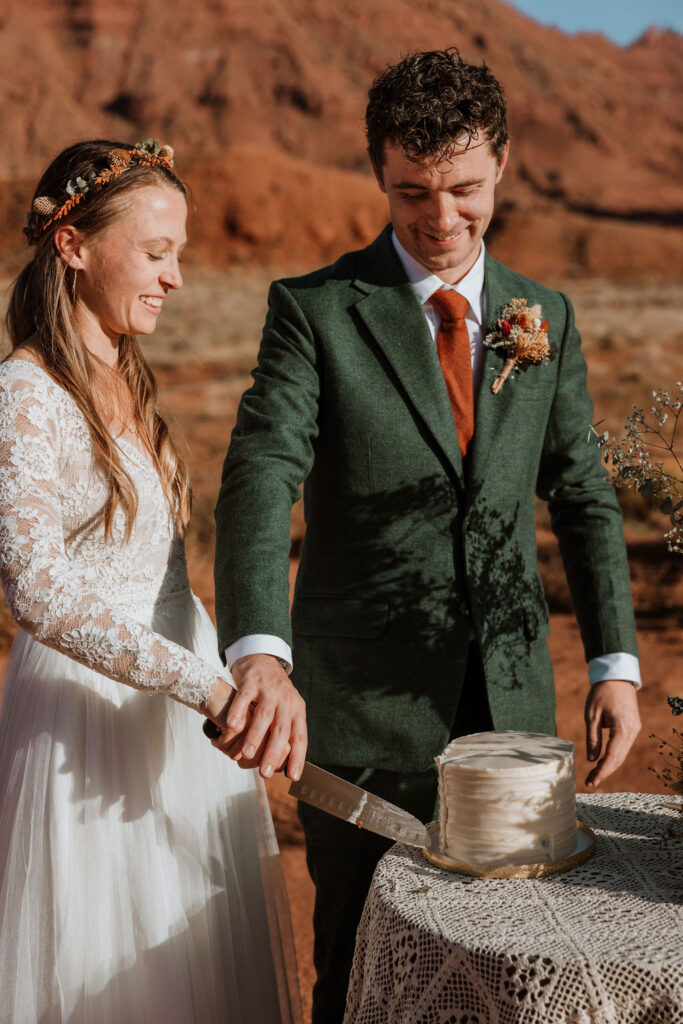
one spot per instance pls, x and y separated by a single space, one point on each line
450 304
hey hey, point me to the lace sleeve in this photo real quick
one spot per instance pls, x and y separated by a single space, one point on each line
42 589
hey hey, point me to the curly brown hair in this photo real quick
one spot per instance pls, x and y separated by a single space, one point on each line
429 101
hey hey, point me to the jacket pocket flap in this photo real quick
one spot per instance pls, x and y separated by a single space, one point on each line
352 617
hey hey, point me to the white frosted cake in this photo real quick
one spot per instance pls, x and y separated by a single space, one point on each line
507 798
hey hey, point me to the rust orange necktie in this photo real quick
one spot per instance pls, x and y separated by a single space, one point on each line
453 348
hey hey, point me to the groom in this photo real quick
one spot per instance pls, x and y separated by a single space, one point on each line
418 614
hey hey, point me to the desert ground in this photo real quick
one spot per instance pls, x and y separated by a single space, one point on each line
203 352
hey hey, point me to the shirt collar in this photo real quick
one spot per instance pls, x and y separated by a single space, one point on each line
425 283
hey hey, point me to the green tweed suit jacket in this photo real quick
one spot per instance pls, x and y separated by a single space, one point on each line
406 555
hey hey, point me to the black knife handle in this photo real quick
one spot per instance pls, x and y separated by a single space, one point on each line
211 729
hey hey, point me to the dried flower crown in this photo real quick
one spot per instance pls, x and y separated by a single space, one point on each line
45 210
522 336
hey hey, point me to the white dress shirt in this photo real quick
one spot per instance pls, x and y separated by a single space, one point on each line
471 286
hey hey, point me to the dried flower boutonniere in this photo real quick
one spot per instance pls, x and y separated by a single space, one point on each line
522 336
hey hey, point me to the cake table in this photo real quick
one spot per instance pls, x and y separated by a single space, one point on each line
601 944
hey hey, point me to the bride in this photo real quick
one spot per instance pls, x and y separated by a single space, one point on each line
138 868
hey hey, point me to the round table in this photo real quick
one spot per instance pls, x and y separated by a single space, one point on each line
601 944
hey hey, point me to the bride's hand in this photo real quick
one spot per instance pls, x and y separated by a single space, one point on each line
216 710
235 752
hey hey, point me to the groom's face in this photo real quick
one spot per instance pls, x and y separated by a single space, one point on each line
440 211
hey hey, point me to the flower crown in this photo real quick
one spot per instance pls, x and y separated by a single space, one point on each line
45 210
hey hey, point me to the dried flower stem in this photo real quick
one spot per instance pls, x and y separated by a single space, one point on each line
634 465
510 364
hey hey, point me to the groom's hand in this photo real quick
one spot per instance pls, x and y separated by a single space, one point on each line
272 714
612 705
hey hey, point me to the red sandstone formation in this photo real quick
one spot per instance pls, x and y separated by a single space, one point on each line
264 106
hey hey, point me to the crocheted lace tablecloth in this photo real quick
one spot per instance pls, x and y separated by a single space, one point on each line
601 944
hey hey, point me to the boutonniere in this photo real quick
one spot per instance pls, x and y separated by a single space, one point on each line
522 336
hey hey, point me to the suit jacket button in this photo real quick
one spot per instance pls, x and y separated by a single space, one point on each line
463 608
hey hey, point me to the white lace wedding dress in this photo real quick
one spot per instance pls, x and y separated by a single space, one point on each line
138 867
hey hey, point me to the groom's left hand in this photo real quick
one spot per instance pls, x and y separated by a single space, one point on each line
272 714
613 705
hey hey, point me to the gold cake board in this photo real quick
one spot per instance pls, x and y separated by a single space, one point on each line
583 851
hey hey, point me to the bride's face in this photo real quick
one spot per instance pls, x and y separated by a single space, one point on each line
127 269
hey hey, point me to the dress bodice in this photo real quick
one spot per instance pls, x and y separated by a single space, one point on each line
75 590
136 574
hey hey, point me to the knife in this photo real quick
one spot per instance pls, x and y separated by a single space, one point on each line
336 796
364 810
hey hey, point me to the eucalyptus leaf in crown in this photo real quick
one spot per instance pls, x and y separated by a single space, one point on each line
46 210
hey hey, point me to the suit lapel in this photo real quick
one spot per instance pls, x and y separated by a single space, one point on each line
490 409
391 312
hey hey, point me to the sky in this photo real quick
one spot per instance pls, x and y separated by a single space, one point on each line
622 21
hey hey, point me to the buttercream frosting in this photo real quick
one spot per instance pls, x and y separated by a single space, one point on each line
507 798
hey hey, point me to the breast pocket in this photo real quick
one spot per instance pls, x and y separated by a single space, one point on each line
339 617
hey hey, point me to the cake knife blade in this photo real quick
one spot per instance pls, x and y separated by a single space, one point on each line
336 796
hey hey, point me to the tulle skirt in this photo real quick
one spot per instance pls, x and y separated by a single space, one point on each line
139 873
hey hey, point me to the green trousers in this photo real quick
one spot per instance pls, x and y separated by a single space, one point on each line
341 859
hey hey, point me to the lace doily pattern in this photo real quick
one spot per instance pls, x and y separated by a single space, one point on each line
78 593
602 944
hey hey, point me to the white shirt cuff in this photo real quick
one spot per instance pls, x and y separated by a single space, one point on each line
615 666
259 643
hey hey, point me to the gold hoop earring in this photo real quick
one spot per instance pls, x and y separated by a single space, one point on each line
73 286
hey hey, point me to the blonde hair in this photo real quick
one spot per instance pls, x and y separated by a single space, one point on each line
41 308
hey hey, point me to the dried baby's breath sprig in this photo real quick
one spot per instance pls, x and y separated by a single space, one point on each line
522 336
635 460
